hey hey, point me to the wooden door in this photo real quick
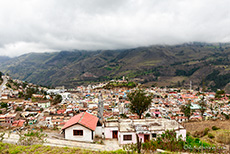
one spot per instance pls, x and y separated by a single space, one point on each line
146 138
115 134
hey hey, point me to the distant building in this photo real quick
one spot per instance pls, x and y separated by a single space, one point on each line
60 87
5 96
44 104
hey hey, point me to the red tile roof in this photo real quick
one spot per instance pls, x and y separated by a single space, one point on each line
86 119
18 123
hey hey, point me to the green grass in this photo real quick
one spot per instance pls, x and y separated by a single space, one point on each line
6 148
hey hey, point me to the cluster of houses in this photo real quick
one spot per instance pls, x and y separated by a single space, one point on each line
85 127
87 112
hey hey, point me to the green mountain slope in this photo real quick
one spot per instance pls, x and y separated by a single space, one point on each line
162 65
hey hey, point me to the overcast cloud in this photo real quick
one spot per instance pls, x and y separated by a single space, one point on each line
54 25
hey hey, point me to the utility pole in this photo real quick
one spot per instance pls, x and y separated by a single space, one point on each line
100 108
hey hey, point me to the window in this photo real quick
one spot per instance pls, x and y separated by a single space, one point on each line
78 132
154 135
127 137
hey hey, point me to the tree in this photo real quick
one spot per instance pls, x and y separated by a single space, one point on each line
170 140
20 94
186 109
57 99
18 109
139 102
3 105
219 93
203 106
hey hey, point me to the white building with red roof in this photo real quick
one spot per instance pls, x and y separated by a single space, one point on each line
81 127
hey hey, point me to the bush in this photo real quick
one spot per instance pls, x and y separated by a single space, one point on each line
31 137
211 135
206 130
2 136
18 109
215 128
147 115
130 147
3 105
195 144
201 133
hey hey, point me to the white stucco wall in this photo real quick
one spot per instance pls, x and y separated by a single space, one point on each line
109 132
121 140
98 131
181 132
87 133
4 97
44 105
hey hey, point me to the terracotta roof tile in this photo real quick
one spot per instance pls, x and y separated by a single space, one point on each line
86 119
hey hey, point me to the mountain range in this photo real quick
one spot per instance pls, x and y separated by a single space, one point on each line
197 64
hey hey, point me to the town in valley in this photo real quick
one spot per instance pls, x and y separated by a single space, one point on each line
100 113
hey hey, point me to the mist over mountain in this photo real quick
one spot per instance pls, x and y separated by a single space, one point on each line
176 65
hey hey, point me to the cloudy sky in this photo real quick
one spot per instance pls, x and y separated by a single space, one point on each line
54 25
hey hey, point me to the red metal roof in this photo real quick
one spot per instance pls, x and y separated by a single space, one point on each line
86 119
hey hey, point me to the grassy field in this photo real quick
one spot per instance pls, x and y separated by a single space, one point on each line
6 148
199 126
219 136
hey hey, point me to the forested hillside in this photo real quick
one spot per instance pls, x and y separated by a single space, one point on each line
201 63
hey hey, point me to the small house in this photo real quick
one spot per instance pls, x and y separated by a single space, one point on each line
81 127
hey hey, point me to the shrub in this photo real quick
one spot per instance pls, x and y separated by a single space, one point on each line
147 115
211 135
201 133
18 109
149 146
206 130
31 138
3 105
2 136
130 147
215 128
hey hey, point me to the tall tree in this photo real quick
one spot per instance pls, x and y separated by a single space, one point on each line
139 102
203 106
186 109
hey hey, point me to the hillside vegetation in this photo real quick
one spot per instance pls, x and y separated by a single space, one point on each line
6 148
175 66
